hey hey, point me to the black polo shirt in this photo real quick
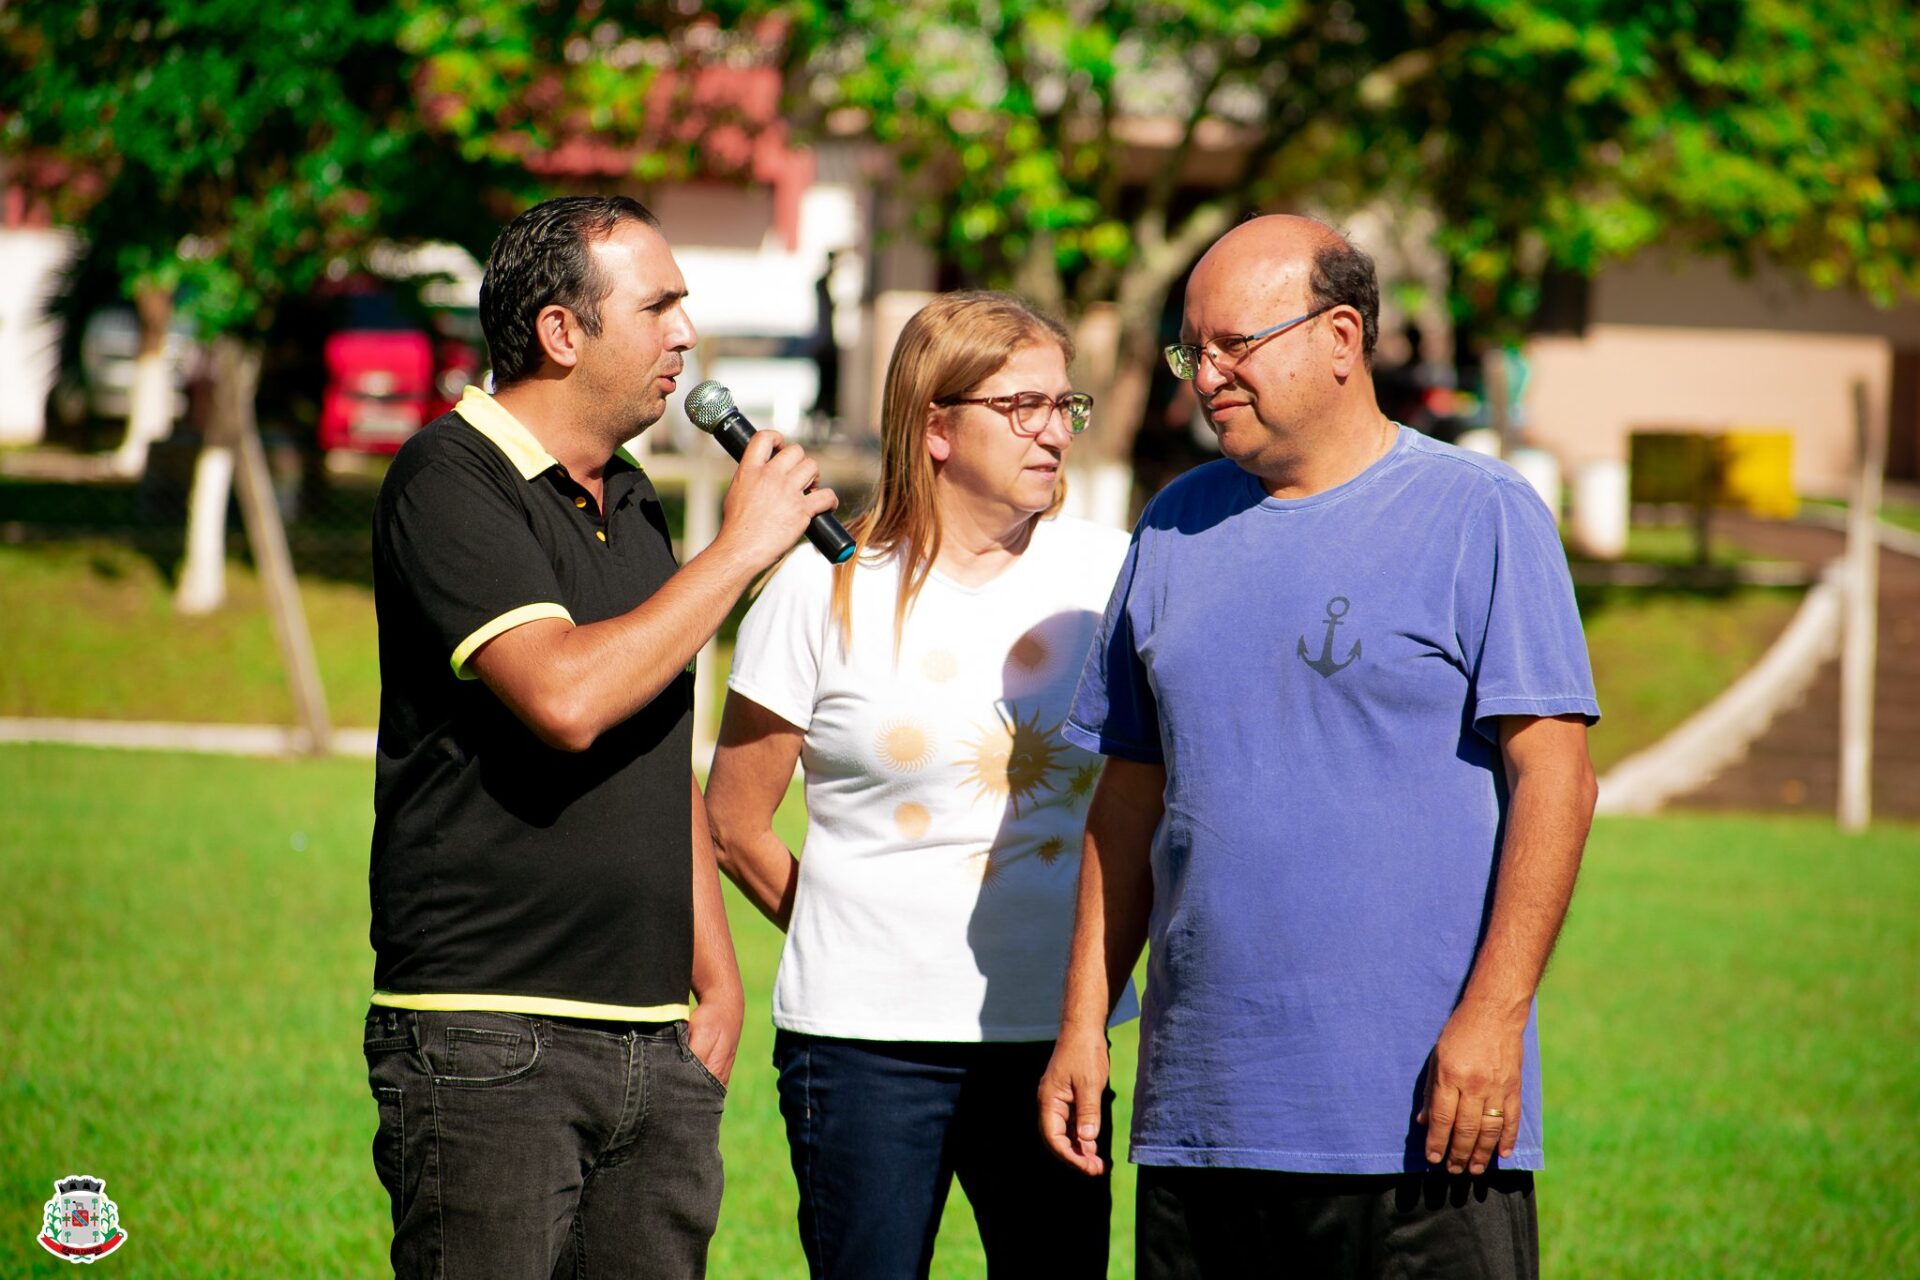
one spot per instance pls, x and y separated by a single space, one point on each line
508 875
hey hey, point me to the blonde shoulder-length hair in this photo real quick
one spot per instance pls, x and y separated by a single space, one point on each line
949 347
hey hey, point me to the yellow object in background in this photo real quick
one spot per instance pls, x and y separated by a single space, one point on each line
1748 469
1756 473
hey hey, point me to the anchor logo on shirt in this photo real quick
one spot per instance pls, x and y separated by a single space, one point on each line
1324 664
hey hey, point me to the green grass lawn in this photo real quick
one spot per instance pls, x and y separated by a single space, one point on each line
1731 1031
88 629
1677 545
89 632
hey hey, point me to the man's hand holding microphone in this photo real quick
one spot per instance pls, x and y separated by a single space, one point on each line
767 467
771 500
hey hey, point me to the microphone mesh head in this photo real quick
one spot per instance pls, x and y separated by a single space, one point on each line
708 404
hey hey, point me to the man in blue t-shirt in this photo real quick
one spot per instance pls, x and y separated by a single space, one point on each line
1345 696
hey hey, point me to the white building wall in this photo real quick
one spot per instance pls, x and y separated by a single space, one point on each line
30 262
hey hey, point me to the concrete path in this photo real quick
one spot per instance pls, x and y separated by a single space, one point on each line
212 739
215 739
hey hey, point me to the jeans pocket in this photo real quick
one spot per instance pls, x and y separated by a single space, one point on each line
688 1055
478 1050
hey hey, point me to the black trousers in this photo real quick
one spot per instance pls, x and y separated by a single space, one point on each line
1238 1224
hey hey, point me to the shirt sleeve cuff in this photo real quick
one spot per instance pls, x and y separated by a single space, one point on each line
499 626
1490 709
1081 736
787 709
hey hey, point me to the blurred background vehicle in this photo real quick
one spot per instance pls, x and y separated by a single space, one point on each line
389 367
95 394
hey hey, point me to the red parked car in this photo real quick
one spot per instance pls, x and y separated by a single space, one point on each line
386 377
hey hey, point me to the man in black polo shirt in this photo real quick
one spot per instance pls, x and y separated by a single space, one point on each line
544 892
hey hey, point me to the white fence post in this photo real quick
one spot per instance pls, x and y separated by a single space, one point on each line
1858 651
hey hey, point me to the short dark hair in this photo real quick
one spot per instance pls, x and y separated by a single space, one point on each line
540 260
1344 276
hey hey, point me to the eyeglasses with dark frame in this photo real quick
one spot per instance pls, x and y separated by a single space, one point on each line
1227 350
1028 412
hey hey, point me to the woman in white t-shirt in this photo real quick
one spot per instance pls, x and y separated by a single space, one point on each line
921 686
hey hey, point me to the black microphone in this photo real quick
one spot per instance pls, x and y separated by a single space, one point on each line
710 406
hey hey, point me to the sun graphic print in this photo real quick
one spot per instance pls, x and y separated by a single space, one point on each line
1050 849
903 746
1080 785
912 820
1012 758
989 865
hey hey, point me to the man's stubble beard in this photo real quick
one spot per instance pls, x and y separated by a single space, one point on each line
630 410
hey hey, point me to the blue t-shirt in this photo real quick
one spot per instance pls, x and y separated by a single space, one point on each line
1321 676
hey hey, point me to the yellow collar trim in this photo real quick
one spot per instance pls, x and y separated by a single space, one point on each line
491 419
487 416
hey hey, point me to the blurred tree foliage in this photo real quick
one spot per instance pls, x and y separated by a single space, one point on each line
1080 151
1084 151
586 89
1567 134
225 156
231 150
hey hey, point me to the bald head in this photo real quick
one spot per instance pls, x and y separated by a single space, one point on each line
1275 247
1280 259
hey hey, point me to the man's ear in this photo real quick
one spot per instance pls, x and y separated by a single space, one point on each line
939 435
1349 342
559 334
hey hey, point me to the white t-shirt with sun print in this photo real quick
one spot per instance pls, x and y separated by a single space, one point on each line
944 808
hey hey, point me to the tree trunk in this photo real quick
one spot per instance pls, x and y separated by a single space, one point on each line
150 407
203 575
233 442
267 537
1113 359
202 587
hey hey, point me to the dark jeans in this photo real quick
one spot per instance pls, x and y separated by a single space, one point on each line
1226 1224
519 1148
878 1130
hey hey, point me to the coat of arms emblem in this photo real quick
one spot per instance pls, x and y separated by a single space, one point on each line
82 1225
